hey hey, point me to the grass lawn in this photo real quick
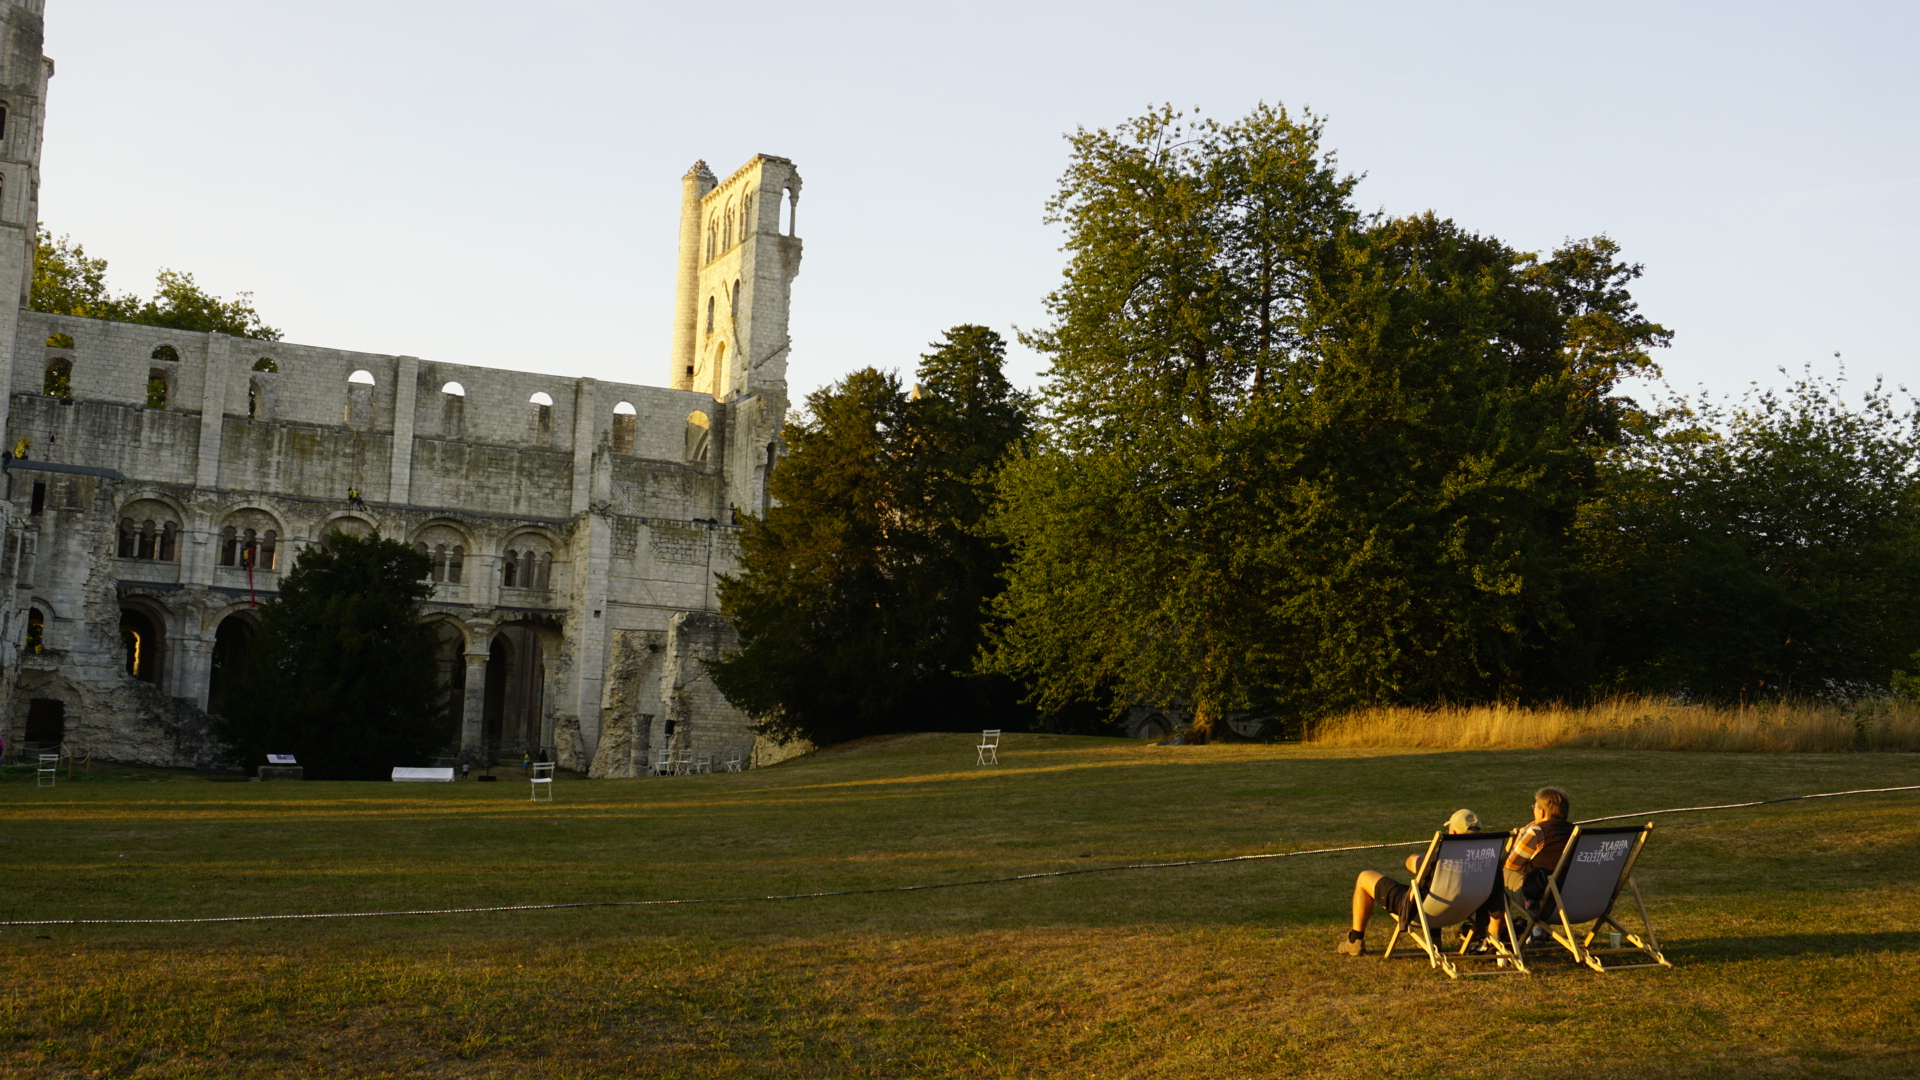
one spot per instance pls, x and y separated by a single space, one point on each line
1795 929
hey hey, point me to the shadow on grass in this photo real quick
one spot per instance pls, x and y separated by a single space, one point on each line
1795 945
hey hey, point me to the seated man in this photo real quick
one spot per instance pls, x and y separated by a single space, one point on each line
1372 888
1536 850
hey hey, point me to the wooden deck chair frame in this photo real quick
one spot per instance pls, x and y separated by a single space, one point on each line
1561 930
989 747
1425 933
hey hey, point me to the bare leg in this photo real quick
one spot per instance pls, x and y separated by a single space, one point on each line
1364 887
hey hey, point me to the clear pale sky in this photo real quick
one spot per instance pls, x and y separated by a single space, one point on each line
499 184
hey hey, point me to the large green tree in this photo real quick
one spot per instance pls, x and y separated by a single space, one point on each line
1298 457
341 672
68 281
862 591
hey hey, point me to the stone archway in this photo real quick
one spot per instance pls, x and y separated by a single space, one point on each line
514 710
231 642
143 643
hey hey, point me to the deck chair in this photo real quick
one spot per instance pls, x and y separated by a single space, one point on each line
1596 865
989 747
1457 874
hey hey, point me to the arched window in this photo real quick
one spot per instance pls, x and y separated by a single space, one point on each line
727 241
256 399
542 416
169 534
709 314
421 547
440 562
359 412
165 353
736 304
59 380
363 377
268 541
456 560
454 389
266 364
747 227
510 570
546 570
229 546
149 537
128 543
624 424
36 631
697 433
713 236
157 388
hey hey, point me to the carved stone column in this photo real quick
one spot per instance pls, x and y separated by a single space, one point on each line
476 703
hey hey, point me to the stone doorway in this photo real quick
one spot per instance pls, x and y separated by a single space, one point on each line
514 710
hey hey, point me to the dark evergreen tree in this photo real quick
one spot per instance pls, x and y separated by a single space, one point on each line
862 591
341 672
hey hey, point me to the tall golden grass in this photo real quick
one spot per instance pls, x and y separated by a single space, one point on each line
1630 723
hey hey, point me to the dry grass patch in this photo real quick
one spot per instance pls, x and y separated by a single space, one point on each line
1634 724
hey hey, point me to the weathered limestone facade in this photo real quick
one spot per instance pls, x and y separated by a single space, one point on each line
576 525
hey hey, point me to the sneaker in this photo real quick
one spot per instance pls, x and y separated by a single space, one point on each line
1352 946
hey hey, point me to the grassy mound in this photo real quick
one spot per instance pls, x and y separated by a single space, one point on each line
1795 928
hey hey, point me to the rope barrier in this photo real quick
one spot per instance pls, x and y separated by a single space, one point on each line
887 888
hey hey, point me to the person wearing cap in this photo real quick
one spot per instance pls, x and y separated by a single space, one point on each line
1373 888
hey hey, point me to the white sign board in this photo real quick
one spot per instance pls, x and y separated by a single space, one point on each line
281 759
402 772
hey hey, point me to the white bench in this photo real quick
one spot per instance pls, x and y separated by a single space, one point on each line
403 772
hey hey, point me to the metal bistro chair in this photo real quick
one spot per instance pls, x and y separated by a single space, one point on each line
542 782
48 772
737 762
703 762
663 762
682 762
989 747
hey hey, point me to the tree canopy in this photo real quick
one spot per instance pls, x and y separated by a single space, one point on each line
862 590
67 281
341 671
1296 456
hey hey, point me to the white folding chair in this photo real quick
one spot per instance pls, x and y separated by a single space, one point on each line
542 781
736 762
989 748
663 762
703 762
48 772
682 762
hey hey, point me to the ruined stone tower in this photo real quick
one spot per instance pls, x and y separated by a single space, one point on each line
23 94
735 279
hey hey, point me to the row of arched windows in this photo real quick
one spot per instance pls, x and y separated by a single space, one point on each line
448 562
149 541
527 569
244 547
57 380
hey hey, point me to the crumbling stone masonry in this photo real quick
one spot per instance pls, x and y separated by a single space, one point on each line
576 526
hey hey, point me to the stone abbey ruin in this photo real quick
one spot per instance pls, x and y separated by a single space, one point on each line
576 526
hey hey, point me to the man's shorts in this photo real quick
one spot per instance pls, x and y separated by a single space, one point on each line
1392 896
